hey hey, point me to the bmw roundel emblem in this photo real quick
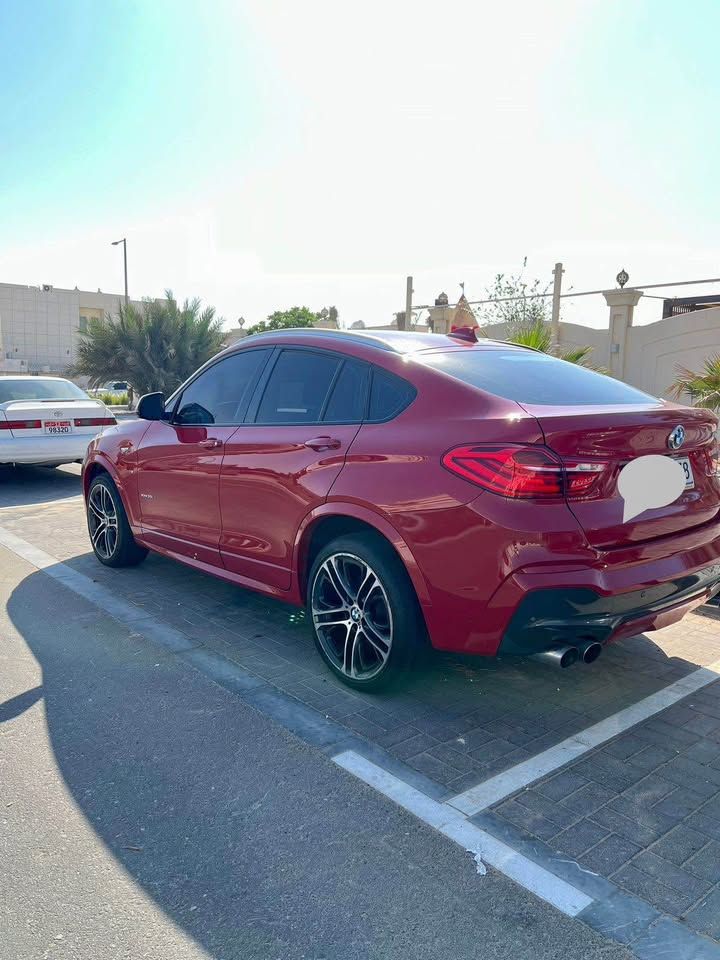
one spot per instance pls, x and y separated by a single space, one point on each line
676 438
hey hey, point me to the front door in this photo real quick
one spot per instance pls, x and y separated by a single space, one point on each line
282 464
179 460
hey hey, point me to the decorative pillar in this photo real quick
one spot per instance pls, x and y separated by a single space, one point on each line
441 315
622 303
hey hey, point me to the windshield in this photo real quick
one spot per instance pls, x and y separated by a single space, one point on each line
39 390
527 376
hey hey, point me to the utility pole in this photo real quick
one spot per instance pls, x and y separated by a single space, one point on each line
408 305
131 393
555 318
124 243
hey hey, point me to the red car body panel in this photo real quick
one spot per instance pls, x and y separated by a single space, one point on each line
178 485
270 481
246 510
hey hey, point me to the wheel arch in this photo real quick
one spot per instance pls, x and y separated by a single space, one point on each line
336 519
92 470
101 464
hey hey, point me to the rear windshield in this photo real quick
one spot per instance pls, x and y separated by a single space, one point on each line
534 378
39 390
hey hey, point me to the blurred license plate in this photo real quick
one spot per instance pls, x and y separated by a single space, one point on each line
58 426
687 470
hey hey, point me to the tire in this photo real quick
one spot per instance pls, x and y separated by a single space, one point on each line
369 638
110 534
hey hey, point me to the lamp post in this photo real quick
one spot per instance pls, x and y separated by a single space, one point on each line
124 243
131 397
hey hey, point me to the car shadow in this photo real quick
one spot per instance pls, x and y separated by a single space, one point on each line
155 759
25 485
149 753
151 759
16 705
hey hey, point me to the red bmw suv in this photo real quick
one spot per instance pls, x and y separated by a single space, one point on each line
414 487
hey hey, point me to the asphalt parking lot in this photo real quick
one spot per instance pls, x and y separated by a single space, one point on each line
607 776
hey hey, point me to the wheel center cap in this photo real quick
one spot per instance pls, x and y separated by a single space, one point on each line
355 614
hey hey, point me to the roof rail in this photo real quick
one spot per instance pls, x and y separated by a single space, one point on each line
351 335
378 340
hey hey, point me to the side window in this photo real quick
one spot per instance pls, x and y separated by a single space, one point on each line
297 387
389 395
348 398
221 394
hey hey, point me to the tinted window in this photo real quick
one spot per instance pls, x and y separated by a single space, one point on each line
389 395
37 389
347 400
297 387
529 377
221 394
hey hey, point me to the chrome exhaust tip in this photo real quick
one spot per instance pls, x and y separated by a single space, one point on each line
590 650
562 657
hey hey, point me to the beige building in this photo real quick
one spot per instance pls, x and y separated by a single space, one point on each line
40 326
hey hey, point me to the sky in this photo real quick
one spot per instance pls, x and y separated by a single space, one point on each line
266 154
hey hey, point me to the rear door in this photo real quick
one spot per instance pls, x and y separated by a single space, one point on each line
282 463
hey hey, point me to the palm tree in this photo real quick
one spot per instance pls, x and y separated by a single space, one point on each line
703 388
155 347
537 335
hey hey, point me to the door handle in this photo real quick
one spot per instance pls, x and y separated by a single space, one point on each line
323 443
211 443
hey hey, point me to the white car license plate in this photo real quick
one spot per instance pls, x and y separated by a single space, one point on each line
687 470
55 427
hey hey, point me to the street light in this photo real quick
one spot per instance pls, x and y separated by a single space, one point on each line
124 243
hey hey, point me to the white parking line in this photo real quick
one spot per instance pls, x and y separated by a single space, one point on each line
456 827
491 791
449 818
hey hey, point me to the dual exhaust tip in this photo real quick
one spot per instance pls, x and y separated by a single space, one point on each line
565 656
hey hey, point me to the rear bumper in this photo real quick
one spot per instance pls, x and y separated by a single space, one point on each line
562 615
44 450
622 593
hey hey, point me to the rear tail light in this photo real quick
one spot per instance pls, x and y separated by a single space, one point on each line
95 421
20 424
521 472
580 477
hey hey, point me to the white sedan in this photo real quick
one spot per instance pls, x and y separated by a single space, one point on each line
47 420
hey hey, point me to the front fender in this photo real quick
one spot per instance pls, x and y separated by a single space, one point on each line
98 459
122 476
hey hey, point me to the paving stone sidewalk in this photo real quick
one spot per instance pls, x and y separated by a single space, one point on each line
457 721
643 811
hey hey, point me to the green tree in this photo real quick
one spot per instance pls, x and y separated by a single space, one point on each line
527 317
280 319
532 307
155 347
703 387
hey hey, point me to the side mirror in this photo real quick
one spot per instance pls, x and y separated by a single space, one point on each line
151 406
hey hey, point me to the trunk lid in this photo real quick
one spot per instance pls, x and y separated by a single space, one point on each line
612 436
36 418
